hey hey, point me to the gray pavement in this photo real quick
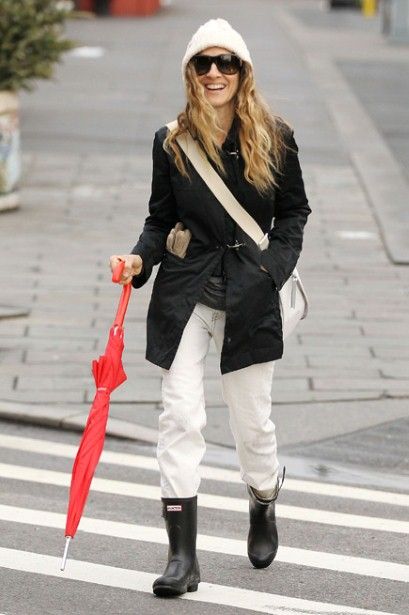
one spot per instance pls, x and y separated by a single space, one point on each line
87 162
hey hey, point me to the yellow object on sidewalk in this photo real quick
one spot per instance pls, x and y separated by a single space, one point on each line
369 7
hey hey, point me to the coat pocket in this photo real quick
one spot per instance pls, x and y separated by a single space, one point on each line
170 257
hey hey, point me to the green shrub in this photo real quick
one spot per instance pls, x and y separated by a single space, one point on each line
31 41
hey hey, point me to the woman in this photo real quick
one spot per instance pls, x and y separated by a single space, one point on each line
220 285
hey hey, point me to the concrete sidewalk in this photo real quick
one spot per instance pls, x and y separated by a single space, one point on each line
87 160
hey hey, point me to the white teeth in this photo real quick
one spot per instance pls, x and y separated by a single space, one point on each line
215 87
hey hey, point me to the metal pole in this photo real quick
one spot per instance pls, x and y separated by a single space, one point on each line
64 557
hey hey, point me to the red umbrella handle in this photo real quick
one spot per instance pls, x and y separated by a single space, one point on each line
126 293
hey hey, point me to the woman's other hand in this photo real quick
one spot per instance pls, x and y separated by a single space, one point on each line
133 266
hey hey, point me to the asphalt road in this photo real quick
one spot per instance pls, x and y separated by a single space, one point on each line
338 553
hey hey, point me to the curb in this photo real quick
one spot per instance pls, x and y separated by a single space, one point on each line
216 454
13 311
65 418
9 202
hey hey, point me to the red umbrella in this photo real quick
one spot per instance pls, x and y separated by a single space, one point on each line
108 374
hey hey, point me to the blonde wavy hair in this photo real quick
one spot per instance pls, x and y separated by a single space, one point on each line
261 133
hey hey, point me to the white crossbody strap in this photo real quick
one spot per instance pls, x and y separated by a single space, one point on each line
197 157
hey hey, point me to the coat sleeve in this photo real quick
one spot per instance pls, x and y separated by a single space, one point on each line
291 213
162 215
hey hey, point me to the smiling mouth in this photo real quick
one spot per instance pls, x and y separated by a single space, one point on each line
219 88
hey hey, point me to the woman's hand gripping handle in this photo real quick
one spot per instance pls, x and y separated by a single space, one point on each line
133 265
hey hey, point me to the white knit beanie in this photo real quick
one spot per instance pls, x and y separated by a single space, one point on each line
216 33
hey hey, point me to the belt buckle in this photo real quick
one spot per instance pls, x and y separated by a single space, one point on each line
236 246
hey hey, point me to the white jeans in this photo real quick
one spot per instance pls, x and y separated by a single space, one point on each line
247 393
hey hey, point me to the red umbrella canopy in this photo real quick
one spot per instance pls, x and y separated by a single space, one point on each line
108 375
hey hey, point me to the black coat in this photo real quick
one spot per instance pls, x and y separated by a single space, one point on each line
253 331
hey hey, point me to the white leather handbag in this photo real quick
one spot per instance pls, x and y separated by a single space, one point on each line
293 298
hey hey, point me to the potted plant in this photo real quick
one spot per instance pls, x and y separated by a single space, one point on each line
31 43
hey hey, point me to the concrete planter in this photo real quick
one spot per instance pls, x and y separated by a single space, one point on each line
10 158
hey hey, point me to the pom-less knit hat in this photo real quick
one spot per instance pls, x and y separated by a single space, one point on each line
216 33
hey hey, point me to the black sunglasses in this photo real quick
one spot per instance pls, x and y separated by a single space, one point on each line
227 63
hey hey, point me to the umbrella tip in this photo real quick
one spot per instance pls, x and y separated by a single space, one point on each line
64 557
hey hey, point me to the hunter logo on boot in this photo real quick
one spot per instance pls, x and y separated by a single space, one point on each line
174 508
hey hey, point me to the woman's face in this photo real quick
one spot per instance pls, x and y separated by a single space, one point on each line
221 97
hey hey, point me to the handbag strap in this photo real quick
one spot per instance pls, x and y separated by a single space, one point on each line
225 197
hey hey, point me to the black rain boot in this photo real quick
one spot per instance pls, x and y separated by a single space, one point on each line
182 573
262 541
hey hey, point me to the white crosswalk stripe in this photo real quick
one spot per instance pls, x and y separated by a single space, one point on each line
241 598
48 447
134 580
138 490
215 544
